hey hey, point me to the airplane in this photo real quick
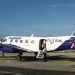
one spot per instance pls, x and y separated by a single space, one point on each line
37 45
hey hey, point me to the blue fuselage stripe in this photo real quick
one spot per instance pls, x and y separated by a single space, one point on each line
66 45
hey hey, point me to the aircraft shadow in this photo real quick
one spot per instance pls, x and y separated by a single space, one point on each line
32 58
49 58
60 58
4 70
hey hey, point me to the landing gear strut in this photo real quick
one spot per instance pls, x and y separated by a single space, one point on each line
35 54
3 53
19 57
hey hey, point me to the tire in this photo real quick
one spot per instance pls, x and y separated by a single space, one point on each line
19 57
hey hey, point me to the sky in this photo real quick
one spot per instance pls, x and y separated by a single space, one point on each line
38 17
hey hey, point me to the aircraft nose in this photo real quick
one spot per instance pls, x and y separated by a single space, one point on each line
6 49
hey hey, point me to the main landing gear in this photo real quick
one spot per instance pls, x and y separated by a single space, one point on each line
19 56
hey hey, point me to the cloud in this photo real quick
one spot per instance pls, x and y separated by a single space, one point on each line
56 5
71 5
62 5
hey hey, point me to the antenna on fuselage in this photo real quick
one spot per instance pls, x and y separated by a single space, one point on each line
73 34
32 35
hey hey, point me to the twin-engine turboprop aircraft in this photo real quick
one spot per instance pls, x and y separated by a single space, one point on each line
37 45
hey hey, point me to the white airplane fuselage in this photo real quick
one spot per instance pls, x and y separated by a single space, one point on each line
32 44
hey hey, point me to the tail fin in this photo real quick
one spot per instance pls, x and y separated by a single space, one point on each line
73 34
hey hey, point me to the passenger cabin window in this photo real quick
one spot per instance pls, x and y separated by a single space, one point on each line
11 40
32 41
16 40
26 41
21 41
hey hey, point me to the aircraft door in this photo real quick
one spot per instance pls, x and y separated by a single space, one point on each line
42 44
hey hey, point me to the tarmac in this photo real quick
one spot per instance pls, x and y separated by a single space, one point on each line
58 63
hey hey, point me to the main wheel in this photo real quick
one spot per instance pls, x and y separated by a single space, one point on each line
19 57
45 57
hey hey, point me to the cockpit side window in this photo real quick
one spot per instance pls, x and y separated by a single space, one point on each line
4 40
